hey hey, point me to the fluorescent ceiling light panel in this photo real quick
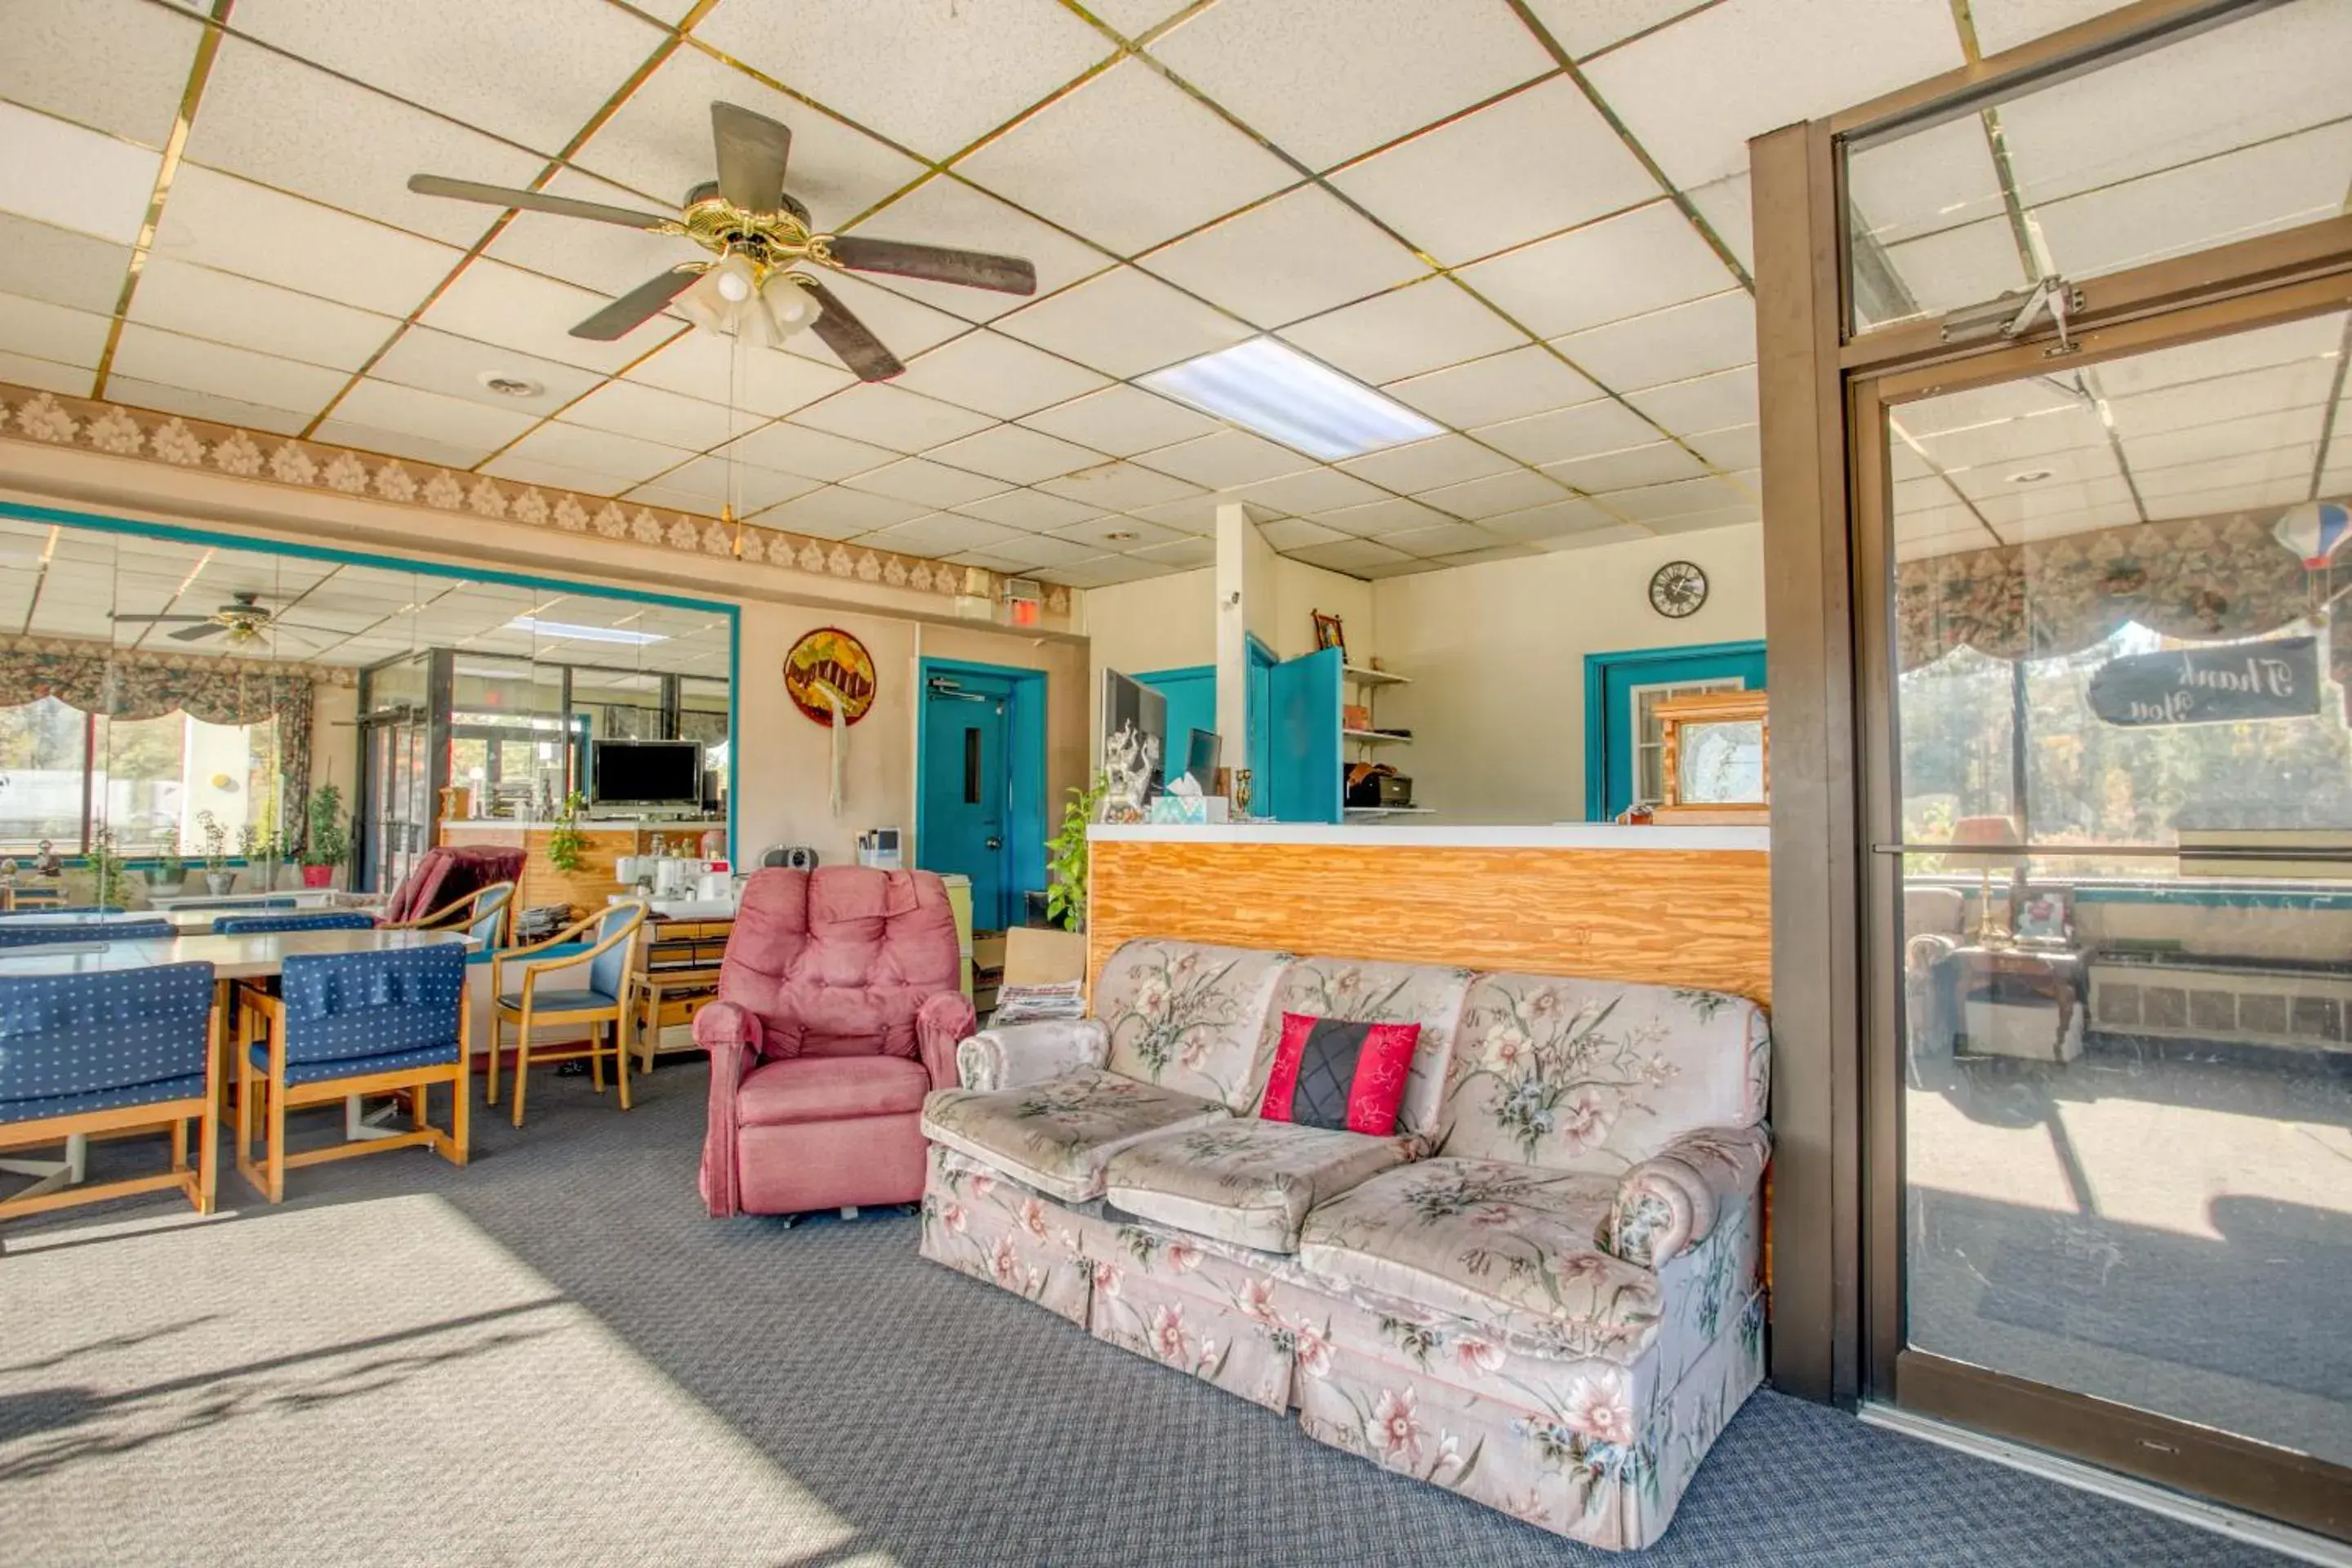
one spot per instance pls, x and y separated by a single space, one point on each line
582 634
1282 395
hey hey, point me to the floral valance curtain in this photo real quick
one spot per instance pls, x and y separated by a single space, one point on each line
2209 579
133 683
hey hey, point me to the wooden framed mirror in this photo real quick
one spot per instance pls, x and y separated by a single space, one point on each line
1717 758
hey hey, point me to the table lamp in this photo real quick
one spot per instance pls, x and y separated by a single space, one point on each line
1987 842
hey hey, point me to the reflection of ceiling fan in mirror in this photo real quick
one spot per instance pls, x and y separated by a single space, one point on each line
763 242
244 620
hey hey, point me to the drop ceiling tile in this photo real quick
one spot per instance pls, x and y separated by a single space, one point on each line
905 327
1584 27
1656 503
1227 459
1614 533
942 533
715 369
1704 521
882 414
130 389
1119 487
706 484
1119 532
1653 464
1425 465
659 142
1538 162
1382 517
1547 521
1195 515
1289 533
46 375
456 367
76 179
1031 550
242 314
2005 24
453 425
1493 495
1739 447
1703 402
634 458
602 256
116 66
1439 539
1129 161
1959 266
1121 420
397 444
464 58
1184 554
1683 341
1349 555
146 353
815 453
1014 454
1933 179
1725 206
1580 432
39 262
1466 558
626 408
934 484
1103 571
834 512
52 331
1641 260
997 376
945 210
1694 93
1124 323
1298 255
1418 328
1032 510
1008 564
219 221
1325 82
498 304
1317 489
1507 385
559 475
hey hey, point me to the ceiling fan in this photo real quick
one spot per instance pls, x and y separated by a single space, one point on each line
762 237
244 618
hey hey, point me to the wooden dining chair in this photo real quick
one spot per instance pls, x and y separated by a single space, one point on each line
599 1001
486 914
306 919
352 1023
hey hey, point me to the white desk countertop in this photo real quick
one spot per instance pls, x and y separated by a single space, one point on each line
1557 835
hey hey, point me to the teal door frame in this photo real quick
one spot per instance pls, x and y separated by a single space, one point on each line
1024 871
1258 722
1598 668
1179 687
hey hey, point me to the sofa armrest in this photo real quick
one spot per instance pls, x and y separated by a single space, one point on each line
730 1033
944 1023
720 1024
1668 1203
1020 1054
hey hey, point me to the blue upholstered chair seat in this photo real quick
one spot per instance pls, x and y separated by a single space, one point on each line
545 1003
191 1087
322 919
358 1067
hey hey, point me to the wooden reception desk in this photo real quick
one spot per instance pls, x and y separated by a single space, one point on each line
597 880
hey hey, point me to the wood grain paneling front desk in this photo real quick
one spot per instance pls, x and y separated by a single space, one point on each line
1664 906
597 880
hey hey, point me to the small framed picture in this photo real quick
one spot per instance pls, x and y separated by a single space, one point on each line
2042 916
1328 633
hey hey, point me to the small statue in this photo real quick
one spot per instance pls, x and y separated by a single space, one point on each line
1130 759
49 864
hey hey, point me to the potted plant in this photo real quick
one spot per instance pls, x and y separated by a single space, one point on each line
166 867
328 844
1065 856
259 845
567 847
106 870
218 878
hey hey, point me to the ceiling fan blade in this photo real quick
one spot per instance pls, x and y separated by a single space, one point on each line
972 269
162 617
198 634
753 149
636 307
840 330
531 201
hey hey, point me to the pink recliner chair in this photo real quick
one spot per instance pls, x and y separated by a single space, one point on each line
840 1005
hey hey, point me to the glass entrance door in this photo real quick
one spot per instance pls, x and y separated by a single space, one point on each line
2114 813
399 793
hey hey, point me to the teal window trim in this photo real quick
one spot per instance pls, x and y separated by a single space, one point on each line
1597 667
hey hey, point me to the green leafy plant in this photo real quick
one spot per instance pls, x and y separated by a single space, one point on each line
330 842
170 866
567 847
215 837
106 868
1065 856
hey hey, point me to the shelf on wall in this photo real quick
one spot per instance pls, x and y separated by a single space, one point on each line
1377 737
1374 677
1389 810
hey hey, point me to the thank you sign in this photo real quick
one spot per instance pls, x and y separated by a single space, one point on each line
2276 679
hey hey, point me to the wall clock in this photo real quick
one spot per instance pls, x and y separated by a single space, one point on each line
1677 589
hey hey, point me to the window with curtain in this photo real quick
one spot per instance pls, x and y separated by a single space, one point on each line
70 773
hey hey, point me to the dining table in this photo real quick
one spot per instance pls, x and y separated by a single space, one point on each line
257 956
184 923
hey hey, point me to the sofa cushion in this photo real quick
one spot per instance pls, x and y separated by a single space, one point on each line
1248 1182
1057 1135
1512 1245
830 1088
1190 1017
1347 1076
1360 991
1595 1075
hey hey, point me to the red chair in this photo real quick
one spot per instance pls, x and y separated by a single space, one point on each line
840 1006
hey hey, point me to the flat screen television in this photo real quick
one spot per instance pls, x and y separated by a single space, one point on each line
1126 700
644 773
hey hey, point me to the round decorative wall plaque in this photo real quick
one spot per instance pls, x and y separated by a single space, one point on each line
829 666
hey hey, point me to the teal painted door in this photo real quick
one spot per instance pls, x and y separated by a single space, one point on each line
964 779
1622 732
1303 748
1191 697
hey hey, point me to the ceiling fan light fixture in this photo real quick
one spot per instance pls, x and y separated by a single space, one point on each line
737 281
793 306
704 305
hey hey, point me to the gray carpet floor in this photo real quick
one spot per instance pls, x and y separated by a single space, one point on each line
554 1356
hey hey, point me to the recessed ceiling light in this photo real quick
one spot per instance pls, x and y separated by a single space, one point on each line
1281 393
582 634
2029 475
511 386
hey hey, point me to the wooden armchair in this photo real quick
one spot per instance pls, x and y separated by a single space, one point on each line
486 914
600 1003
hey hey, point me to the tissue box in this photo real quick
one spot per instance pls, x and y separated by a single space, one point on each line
1182 810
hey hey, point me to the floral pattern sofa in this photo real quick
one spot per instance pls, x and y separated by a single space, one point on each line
1541 1292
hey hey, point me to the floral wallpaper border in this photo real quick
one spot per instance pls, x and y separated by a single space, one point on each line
126 432
221 666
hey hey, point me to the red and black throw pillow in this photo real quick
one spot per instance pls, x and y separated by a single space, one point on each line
1347 1076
